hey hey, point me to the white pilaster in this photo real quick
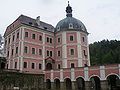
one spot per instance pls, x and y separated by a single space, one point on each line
43 52
64 48
72 74
22 47
102 72
86 74
61 75
52 80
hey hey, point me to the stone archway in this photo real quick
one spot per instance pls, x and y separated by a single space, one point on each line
95 83
80 83
68 84
49 66
48 84
113 82
57 84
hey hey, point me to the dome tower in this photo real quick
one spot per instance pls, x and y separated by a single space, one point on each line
71 42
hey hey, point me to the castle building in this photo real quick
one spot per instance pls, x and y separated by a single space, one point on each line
61 53
33 45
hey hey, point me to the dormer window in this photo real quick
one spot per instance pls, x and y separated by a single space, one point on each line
30 23
58 28
70 26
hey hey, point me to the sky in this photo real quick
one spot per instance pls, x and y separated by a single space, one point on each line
101 17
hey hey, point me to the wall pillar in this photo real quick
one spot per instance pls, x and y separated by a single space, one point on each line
104 85
88 85
62 86
73 85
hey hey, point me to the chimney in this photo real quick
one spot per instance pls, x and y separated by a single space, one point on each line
38 20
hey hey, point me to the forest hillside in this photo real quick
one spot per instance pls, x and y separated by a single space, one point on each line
105 52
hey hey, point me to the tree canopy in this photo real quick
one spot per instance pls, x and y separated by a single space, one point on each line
105 52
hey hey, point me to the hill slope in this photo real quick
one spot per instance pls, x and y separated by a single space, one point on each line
105 52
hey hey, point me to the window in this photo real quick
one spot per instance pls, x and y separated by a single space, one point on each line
47 53
33 66
71 38
15 64
72 65
17 34
47 39
72 51
83 39
25 65
58 66
26 34
33 50
13 37
40 38
25 49
58 53
40 51
40 66
9 40
50 40
12 51
84 52
51 53
70 26
33 36
16 50
8 54
58 40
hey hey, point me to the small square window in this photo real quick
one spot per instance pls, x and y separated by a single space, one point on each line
25 49
40 38
33 65
40 51
58 53
58 40
25 65
33 36
47 53
50 40
9 40
71 38
47 39
33 50
40 66
58 66
17 34
26 34
83 39
15 64
16 50
51 53
8 54
72 51
72 65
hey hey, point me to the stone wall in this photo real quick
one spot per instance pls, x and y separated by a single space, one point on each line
13 80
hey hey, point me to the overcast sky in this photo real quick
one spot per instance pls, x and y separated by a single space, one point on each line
101 17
